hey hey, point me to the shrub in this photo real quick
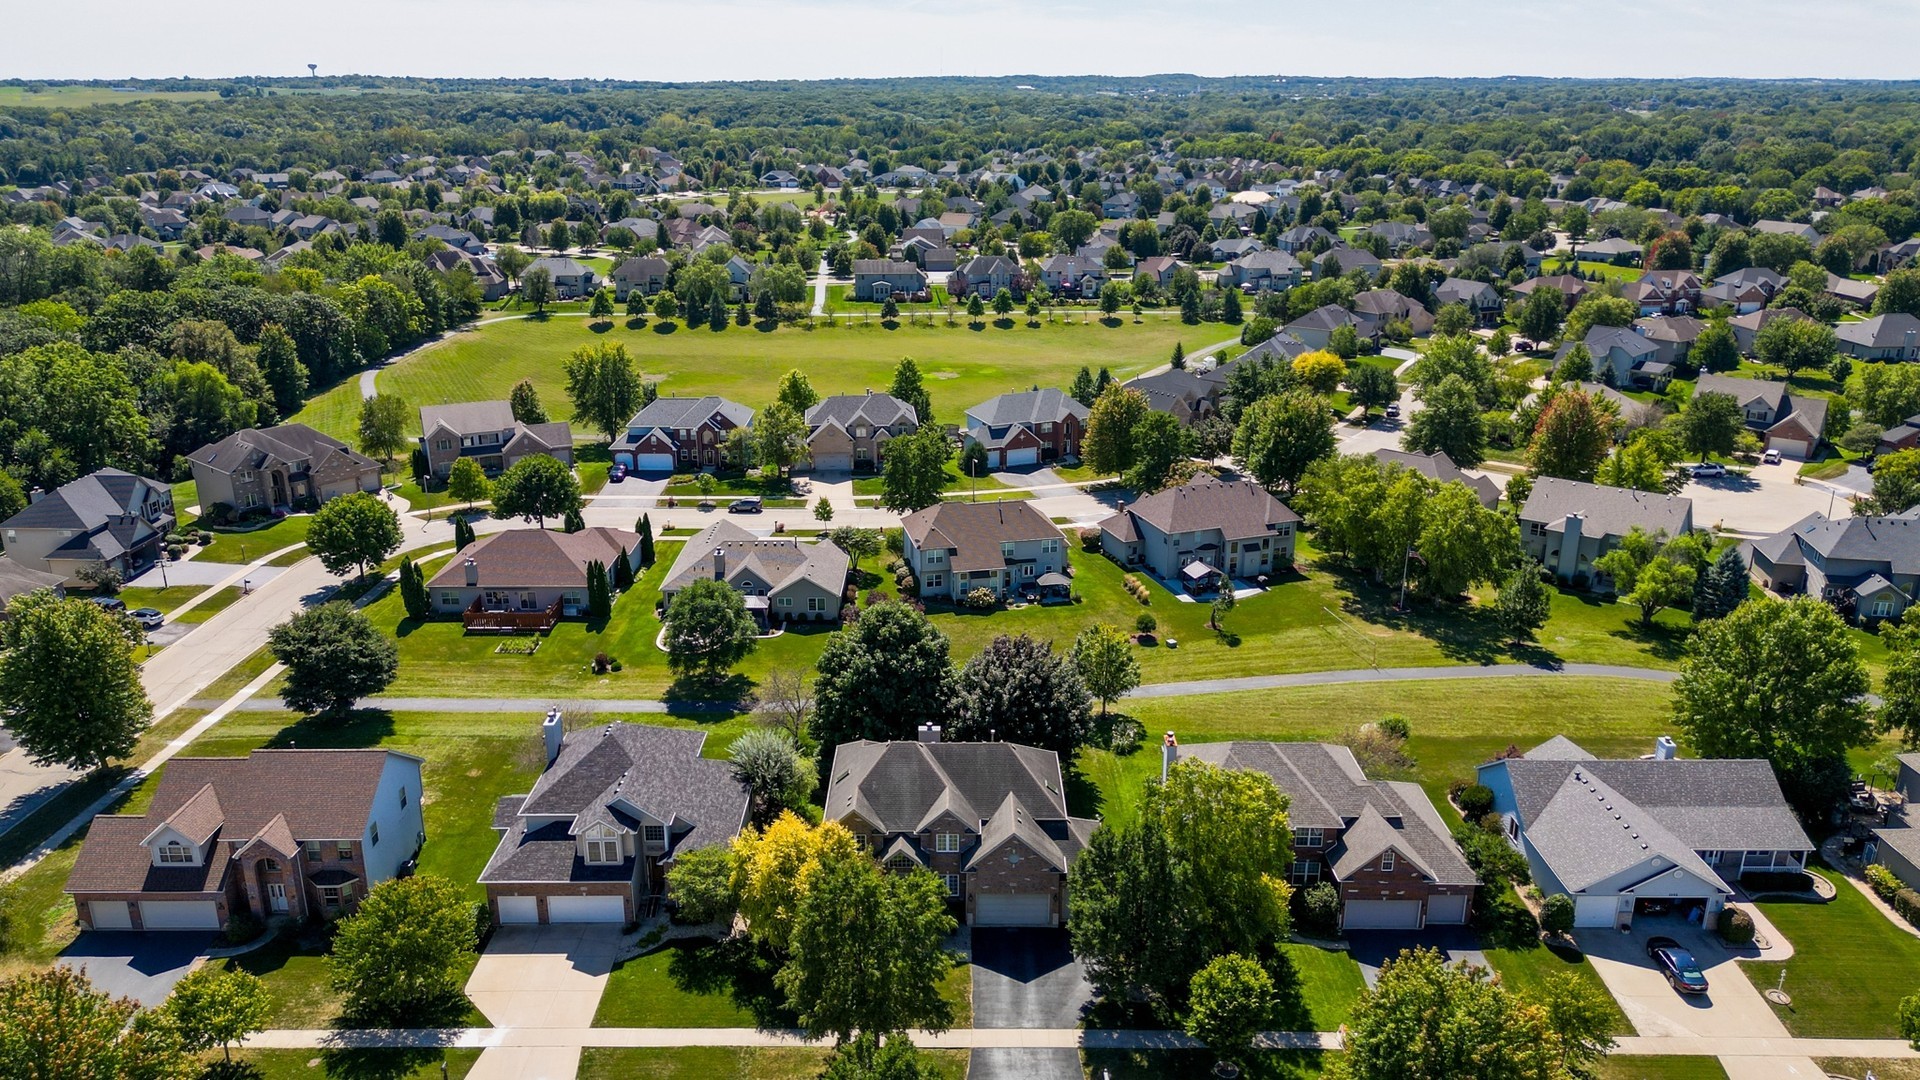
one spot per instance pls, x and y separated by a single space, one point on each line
1320 907
1475 801
1089 539
1736 926
979 599
1125 735
1556 914
175 551
203 538
1775 881
1400 728
1883 882
219 513
601 663
1907 903
1504 922
1146 623
242 927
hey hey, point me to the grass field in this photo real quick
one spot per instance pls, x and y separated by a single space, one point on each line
384 1063
1833 945
165 600
1664 1067
962 365
243 547
79 97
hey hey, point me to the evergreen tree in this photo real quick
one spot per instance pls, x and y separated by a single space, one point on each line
1082 390
717 314
1524 603
645 529
1179 357
623 571
1230 312
413 590
1101 382
599 594
572 522
1723 587
462 533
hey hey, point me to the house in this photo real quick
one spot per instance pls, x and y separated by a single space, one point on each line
492 282
850 432
1026 428
614 806
1382 843
1868 567
1479 298
1790 228
1793 424
1665 292
1622 836
1195 532
1378 307
526 579
1120 204
572 279
782 579
1229 248
1185 394
877 279
1860 294
277 835
1894 336
1737 297
1672 336
1280 350
1896 844
1440 468
648 273
106 518
279 467
487 432
1258 271
17 579
1614 250
1623 358
1004 547
1071 275
780 179
1341 261
1158 268
1570 288
1315 328
990 818
672 434
1566 524
1304 238
985 275
1746 328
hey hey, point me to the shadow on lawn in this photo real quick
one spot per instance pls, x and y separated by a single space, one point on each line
1198 1064
353 730
735 967
1463 632
380 1063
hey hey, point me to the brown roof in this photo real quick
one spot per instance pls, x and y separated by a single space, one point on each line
535 558
199 817
975 531
1239 509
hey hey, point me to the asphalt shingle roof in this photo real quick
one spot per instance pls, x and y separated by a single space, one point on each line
1610 511
975 531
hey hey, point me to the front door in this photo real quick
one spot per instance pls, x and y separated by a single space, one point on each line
277 896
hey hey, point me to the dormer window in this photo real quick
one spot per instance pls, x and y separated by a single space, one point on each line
175 853
946 842
603 846
899 863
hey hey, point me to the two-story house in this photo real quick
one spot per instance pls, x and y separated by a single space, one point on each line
1672 336
878 279
990 818
1378 307
1003 547
106 518
279 468
1793 424
487 432
1074 275
1867 567
1184 394
648 273
1665 292
850 432
591 843
278 834
1026 428
781 579
675 434
1571 289
1195 532
1478 297
1623 358
1264 270
572 278
985 275
1381 843
1567 524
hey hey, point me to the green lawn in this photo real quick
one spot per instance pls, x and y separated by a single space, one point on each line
962 365
1849 969
1330 984
1663 1067
1605 269
1196 1065
694 983
956 481
1525 972
165 600
731 1063
1884 1068
296 979
387 1064
242 547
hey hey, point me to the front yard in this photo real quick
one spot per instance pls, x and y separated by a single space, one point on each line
1849 969
732 1063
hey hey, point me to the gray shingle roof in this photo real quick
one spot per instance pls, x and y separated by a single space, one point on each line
1893 542
1240 510
468 416
773 562
1438 467
1882 331
675 413
880 410
1609 511
88 503
1026 407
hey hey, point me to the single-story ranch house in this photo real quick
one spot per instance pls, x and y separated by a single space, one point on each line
526 579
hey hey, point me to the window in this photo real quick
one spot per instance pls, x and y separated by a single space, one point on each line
654 835
373 833
271 866
816 603
1386 862
1304 872
786 601
1306 838
1046 427
946 842
1027 569
346 849
443 444
403 798
313 851
175 853
603 847
1881 608
953 884
935 558
936 581
899 863
1006 550
330 895
1535 528
1050 547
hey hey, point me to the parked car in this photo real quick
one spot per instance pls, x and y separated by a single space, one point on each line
1771 457
108 603
616 473
1393 410
750 505
1682 972
1706 469
148 618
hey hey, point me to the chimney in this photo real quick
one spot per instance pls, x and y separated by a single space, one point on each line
1664 749
1169 753
929 733
719 564
473 572
552 733
1570 545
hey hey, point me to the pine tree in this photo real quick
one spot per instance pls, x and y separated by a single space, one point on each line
1082 390
599 595
1230 306
1179 357
1524 603
413 590
645 529
1101 382
572 523
623 571
717 314
1722 588
462 533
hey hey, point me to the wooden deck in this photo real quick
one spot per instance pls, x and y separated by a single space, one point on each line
479 620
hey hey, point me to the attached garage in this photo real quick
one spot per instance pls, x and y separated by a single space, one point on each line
1448 910
109 915
1381 915
840 462
1013 909
661 463
586 909
1790 447
1029 455
519 909
1595 910
179 915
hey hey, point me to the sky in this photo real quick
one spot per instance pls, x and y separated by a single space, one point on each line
689 40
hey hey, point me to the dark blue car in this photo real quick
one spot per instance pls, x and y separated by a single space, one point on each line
1678 965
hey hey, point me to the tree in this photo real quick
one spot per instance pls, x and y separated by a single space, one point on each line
1320 372
915 470
536 288
604 386
708 629
780 436
334 657
1572 437
599 591
1659 584
1576 366
1450 423
1019 690
1280 436
1716 349
462 533
645 528
279 361
413 590
778 778
1598 310
601 310
1231 312
1230 1001
1779 679
796 392
908 388
1371 386
512 259
1159 447
772 868
467 482
867 952
1461 542
1104 658
1795 344
383 426
1524 603
1082 389
636 305
402 957
1722 587
358 529
1710 423
1003 303
1426 1019
867 1058
70 690
1223 602
890 308
859 544
700 885
1107 446
1540 316
215 1007
881 678
976 307
55 1026
666 306
1896 485
1452 319
536 488
1344 341
1072 228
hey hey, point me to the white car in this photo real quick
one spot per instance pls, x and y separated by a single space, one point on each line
148 618
1771 457
1708 469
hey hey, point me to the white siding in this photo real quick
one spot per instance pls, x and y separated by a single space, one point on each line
400 827
179 915
1594 910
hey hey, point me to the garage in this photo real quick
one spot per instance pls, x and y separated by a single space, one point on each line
1013 909
833 462
1793 448
179 915
109 915
1447 910
1026 456
586 909
519 909
660 463
1594 910
1381 915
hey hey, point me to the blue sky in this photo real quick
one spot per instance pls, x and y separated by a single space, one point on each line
771 39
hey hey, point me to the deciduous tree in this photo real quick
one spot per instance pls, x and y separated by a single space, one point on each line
1710 423
1795 345
1019 690
1896 485
1229 1002
604 386
1572 437
1280 436
708 629
882 678
1450 423
467 482
1371 386
70 690
54 1025
334 657
1104 658
356 530
915 470
401 958
773 867
213 1007
1108 445
536 488
383 426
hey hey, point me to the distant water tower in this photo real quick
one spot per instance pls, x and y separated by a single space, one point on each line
313 69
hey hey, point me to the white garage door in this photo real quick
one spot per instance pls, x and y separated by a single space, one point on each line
1013 909
1793 448
1028 456
833 463
586 909
1451 910
1594 910
1382 915
519 909
179 915
110 914
653 462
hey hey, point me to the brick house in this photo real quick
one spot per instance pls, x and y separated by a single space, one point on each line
680 434
1381 842
487 432
850 432
986 275
877 279
107 517
279 467
1793 424
1026 428
278 834
955 548
989 818
616 803
1194 532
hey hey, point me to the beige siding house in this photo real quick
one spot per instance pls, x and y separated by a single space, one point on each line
783 580
1567 524
850 432
487 432
281 467
1003 547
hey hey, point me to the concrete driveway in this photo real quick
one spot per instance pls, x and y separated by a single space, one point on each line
1765 500
1372 948
1731 1007
143 967
544 976
1026 978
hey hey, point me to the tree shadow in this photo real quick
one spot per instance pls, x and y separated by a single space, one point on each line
890 324
380 1062
1083 795
766 326
666 326
709 694
1665 642
1463 632
735 967
1003 323
977 326
600 326
637 322
1109 321
1290 1010
356 729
